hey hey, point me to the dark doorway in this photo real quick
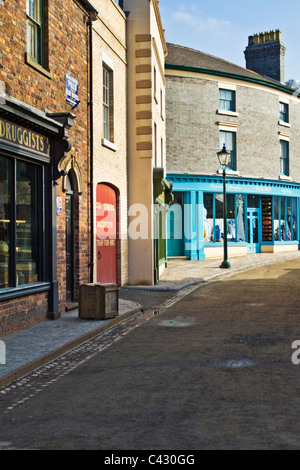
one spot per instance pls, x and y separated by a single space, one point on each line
69 240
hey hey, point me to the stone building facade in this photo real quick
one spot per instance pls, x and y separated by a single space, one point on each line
45 158
148 189
211 102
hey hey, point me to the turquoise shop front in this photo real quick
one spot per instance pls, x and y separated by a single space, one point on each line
262 216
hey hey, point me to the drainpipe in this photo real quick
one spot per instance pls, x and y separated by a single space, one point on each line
93 17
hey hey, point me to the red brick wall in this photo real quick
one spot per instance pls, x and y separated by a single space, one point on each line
22 313
67 51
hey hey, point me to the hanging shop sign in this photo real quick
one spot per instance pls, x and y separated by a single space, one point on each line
21 137
72 96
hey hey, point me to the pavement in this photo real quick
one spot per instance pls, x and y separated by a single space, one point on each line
40 344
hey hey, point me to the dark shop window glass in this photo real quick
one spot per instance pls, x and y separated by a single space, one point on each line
21 224
5 247
231 225
208 216
26 223
240 219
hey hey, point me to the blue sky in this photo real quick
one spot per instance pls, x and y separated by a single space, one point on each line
221 28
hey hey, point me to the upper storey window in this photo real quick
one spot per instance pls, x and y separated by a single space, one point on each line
108 117
226 100
284 112
35 29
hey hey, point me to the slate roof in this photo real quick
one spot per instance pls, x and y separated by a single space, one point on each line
181 55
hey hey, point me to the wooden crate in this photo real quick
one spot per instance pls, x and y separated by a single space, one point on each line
98 301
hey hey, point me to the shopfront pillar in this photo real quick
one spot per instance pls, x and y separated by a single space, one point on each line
190 225
200 226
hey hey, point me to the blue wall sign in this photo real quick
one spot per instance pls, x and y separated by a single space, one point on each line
72 90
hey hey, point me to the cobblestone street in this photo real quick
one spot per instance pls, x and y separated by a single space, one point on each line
209 368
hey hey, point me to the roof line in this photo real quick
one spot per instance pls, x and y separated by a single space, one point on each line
260 81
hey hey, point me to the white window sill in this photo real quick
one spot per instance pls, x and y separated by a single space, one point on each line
285 124
227 113
228 172
106 143
285 178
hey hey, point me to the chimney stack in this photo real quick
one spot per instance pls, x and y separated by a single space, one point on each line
265 55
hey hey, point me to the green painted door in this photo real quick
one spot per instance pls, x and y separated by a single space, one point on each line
176 235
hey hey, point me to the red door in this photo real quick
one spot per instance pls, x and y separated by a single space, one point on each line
106 220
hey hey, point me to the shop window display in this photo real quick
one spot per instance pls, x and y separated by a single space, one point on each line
240 207
5 191
20 222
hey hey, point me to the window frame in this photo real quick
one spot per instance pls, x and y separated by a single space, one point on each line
232 151
284 113
107 102
36 23
232 101
284 157
13 285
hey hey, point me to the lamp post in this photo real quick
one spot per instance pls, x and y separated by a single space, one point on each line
224 158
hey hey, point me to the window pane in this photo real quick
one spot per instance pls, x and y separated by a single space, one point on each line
289 220
284 112
231 228
253 201
283 217
240 207
208 216
219 222
294 219
284 157
106 105
34 29
228 138
227 100
277 232
267 228
26 223
5 217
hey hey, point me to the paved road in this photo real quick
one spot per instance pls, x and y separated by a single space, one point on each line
213 370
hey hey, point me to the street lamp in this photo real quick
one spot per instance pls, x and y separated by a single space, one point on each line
224 158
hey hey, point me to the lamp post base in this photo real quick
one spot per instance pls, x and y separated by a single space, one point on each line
225 265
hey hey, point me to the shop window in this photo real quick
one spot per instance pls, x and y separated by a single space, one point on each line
240 218
214 221
267 227
218 217
285 219
5 226
226 100
208 216
229 139
108 128
293 221
35 30
277 233
231 223
20 222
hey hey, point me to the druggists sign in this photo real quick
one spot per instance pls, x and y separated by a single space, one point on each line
24 138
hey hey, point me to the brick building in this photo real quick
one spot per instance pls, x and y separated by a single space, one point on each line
211 102
44 158
110 245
